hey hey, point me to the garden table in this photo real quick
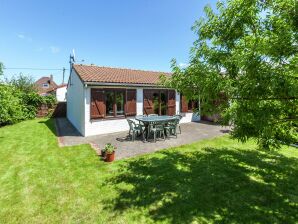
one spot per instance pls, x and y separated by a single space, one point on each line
153 119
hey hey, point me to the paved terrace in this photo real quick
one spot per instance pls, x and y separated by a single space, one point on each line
191 132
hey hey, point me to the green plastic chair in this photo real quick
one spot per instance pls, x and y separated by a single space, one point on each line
134 129
171 128
179 117
156 128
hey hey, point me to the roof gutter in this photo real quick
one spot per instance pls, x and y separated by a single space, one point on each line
121 84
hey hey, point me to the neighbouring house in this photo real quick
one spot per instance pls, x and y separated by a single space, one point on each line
45 85
100 99
61 91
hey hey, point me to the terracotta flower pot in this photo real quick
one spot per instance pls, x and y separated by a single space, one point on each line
110 157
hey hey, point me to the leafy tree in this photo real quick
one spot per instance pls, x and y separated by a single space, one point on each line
244 66
24 83
1 68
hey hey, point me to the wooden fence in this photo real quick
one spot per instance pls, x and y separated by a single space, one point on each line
59 110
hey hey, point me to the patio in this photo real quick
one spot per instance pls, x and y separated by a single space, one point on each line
191 132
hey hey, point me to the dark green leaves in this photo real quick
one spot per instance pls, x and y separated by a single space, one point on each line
244 66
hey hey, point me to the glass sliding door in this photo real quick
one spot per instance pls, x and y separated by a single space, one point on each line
110 96
115 101
156 101
119 103
163 103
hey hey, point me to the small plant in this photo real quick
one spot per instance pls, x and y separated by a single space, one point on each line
109 152
109 148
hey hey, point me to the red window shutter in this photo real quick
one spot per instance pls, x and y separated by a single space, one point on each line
97 106
131 102
171 102
184 104
148 101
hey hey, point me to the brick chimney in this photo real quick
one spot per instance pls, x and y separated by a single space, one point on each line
51 78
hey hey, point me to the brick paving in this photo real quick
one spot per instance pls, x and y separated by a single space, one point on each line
191 132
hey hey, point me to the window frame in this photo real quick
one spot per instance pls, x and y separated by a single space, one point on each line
159 92
104 101
114 103
191 104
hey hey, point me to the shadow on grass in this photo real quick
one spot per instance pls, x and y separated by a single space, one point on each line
61 127
50 123
217 185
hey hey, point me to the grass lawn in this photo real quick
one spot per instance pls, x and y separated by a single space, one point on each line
211 181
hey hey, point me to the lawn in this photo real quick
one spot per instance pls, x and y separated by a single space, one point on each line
211 181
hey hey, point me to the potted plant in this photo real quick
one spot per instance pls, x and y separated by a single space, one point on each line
109 151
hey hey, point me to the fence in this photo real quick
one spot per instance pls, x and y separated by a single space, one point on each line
59 110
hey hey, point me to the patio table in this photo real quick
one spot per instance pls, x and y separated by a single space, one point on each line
153 119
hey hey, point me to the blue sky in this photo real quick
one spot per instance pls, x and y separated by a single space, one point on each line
140 34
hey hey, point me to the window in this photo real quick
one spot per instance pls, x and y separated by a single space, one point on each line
45 85
114 103
119 101
188 105
159 101
109 103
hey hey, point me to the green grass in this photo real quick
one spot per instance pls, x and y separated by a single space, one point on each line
211 181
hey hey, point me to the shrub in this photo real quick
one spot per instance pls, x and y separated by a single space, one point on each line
12 109
19 100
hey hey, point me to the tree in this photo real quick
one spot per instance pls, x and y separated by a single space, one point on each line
244 66
25 83
1 69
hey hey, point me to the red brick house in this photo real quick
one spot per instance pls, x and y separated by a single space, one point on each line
46 85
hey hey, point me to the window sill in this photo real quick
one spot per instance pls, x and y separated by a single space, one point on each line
108 118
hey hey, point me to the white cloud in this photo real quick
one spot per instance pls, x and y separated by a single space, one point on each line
55 49
183 65
21 36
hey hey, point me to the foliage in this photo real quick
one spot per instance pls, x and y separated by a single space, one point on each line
109 148
19 100
1 68
212 181
11 109
244 66
23 82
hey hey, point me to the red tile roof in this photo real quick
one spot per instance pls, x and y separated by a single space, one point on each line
45 80
92 73
61 85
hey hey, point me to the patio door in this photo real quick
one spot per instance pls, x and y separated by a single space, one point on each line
159 101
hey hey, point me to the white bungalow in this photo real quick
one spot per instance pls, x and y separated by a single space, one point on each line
99 99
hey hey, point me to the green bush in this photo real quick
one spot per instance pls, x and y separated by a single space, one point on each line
12 109
19 100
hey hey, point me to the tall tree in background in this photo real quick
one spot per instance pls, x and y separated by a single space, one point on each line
1 68
244 66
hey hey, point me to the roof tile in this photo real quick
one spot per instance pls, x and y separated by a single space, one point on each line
91 73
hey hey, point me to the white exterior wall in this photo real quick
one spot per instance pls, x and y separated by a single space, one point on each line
104 126
190 117
140 101
61 94
76 102
78 110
